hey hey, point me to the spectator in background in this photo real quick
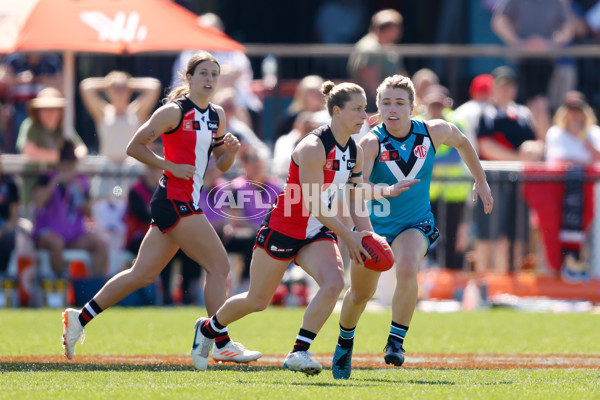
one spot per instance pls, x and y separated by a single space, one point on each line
25 75
591 16
305 122
137 216
226 98
506 133
116 112
565 207
7 132
338 22
118 103
236 72
506 129
9 216
41 135
210 197
62 203
575 136
587 32
422 79
371 60
574 139
534 26
307 97
448 199
480 92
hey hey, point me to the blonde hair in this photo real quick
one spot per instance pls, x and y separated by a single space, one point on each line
184 88
384 18
117 77
307 83
560 117
339 95
397 82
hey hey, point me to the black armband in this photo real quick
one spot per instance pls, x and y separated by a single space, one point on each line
219 141
355 174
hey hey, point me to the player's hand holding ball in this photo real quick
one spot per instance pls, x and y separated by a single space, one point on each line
382 256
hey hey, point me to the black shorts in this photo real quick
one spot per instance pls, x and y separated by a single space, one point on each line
534 77
283 247
166 213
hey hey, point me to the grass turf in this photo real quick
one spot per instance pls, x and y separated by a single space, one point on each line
170 331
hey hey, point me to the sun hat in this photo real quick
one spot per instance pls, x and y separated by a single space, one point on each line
48 98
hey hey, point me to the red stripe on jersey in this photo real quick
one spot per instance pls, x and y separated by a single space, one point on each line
289 215
179 148
190 143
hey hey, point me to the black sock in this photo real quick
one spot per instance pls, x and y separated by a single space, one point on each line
222 339
89 311
304 340
346 338
211 328
397 333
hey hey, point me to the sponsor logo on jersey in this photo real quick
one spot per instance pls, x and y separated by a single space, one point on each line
350 164
191 125
389 155
420 151
332 165
213 125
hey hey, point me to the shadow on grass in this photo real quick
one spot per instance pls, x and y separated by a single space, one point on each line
403 380
85 367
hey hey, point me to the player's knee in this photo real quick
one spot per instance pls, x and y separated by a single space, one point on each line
333 287
407 268
218 271
361 296
258 304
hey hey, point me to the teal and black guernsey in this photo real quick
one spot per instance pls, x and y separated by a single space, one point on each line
410 157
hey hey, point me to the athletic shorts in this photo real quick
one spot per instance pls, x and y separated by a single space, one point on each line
427 228
166 213
283 247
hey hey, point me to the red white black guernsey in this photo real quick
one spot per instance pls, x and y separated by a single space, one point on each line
191 142
289 214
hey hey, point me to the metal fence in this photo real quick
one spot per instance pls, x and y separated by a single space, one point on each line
529 202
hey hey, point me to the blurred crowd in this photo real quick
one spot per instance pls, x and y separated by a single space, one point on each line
527 110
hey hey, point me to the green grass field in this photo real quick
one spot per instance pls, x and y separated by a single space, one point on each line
148 331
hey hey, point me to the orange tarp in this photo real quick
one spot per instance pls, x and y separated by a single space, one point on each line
443 284
105 26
